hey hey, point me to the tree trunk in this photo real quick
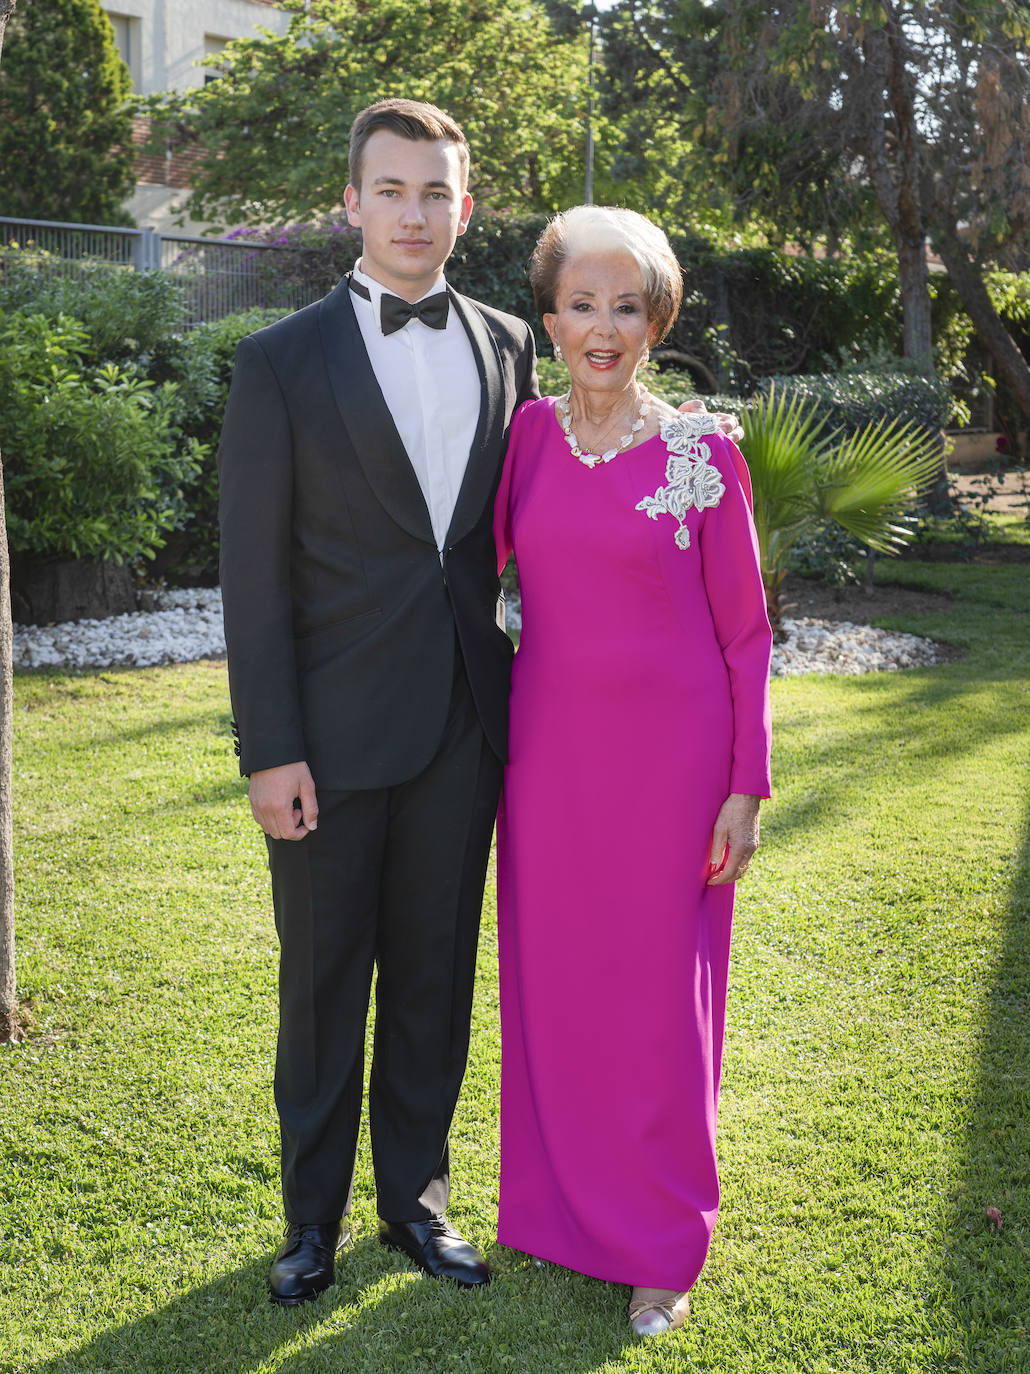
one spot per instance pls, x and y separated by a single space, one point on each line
894 163
914 279
9 1020
999 343
47 590
892 158
909 224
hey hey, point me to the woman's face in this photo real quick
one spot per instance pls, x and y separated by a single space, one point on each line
601 320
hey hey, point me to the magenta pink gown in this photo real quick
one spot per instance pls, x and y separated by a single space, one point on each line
639 703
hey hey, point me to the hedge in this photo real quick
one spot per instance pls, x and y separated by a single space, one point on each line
110 410
746 313
123 314
95 464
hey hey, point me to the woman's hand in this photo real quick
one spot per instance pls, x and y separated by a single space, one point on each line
734 839
728 424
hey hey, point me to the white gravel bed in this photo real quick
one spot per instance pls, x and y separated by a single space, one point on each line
186 625
837 646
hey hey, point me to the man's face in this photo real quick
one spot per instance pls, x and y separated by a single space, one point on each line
410 209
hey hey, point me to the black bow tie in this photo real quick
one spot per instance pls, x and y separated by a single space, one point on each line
394 313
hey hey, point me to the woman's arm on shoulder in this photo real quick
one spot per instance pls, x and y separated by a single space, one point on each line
728 424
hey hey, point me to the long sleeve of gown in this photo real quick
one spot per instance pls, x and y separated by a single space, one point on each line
733 581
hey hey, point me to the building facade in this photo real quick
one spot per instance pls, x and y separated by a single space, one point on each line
173 45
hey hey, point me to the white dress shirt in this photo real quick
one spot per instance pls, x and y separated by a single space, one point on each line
429 380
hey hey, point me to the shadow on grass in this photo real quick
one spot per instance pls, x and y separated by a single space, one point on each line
528 1318
207 792
866 735
987 1271
218 727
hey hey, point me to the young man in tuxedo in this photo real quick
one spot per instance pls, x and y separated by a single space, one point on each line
360 456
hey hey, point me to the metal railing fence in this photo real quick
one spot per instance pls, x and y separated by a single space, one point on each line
220 277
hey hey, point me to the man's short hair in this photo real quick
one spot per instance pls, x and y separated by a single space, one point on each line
411 119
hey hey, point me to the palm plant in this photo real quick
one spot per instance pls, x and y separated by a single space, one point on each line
805 476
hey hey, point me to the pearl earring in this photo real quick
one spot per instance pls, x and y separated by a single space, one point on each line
557 351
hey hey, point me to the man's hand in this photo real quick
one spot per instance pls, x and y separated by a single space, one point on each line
728 424
734 839
283 801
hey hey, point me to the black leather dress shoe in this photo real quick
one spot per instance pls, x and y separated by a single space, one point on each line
437 1248
303 1267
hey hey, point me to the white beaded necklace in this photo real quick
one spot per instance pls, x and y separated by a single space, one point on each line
562 409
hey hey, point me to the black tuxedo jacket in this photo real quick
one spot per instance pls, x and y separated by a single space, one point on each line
339 617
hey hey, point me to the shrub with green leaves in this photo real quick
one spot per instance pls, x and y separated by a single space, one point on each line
831 553
123 313
747 313
123 334
95 465
852 400
310 260
847 401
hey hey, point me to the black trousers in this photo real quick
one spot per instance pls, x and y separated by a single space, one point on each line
392 878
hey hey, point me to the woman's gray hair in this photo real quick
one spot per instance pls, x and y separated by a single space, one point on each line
607 229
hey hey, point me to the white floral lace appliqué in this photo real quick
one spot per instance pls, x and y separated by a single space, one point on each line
693 482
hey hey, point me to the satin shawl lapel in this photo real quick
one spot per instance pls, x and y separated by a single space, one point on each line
367 418
485 455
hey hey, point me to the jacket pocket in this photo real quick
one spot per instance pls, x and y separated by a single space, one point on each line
316 648
331 625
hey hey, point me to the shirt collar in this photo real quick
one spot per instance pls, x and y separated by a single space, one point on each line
376 290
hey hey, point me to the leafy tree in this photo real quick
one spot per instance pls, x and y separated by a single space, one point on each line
9 1020
65 125
981 178
272 131
929 101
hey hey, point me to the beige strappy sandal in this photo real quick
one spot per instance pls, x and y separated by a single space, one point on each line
653 1311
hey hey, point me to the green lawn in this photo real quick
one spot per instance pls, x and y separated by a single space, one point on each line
875 1098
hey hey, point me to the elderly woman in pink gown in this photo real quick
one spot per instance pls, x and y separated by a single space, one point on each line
639 752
